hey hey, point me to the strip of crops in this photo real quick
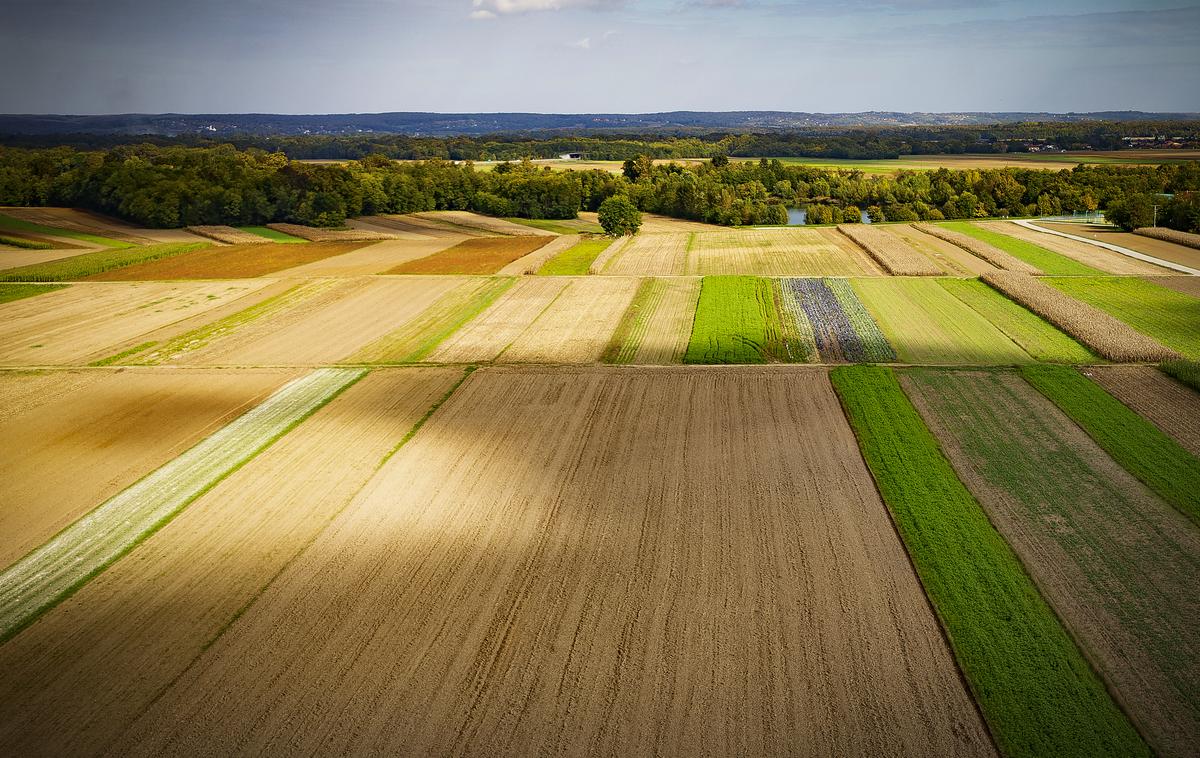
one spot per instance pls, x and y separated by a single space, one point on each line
19 225
1131 440
1106 336
1170 317
802 345
11 292
891 252
1047 261
25 243
577 260
1035 335
79 266
1036 691
52 572
737 321
274 235
1187 372
627 337
1186 239
840 333
979 249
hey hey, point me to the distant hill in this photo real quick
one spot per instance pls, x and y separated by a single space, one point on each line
472 124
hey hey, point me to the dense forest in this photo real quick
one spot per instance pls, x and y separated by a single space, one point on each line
815 142
176 186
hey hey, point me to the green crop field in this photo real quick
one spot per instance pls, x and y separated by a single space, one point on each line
1037 692
11 292
1170 317
1131 440
576 260
1187 372
926 324
1048 261
1035 335
80 266
737 321
273 234
18 225
24 243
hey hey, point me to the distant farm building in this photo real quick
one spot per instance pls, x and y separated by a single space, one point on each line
571 156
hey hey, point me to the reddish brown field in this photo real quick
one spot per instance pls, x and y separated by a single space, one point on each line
485 255
229 262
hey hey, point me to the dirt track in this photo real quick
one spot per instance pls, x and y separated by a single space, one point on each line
87 669
695 562
74 439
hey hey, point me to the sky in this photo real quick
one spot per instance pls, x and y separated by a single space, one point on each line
595 56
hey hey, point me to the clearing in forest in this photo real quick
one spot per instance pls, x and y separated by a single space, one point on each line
770 584
1118 564
1168 316
483 255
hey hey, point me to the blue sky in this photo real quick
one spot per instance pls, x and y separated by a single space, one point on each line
309 56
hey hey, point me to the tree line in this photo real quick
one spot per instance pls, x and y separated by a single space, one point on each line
176 186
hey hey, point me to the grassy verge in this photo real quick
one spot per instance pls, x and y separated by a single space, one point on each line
17 225
1131 440
11 292
737 321
1048 261
1168 316
1036 691
557 227
576 260
25 244
274 235
1035 335
1187 372
80 266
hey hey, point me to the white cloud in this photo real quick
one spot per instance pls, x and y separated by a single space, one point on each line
487 9
583 44
480 15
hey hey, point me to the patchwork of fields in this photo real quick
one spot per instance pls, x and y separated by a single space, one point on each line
501 487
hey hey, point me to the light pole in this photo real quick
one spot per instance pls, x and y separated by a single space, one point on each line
1155 223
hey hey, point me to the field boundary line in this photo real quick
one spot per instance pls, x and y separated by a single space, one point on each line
1109 246
53 572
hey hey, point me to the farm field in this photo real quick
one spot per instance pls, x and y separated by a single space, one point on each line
1105 261
1167 403
954 260
474 256
777 252
517 553
657 325
892 252
577 326
1164 314
1034 254
1168 251
738 320
487 335
926 324
841 329
576 260
1118 564
228 262
652 255
1038 337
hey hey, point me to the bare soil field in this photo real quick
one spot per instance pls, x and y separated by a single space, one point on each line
86 322
531 262
1170 405
1090 255
654 224
478 222
577 326
73 439
891 252
651 255
743 593
1188 285
778 252
475 256
1119 564
488 334
228 262
1168 251
70 685
371 258
17 257
334 322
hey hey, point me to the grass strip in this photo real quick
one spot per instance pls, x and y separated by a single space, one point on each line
274 235
56 570
118 357
1037 693
1187 372
557 227
627 337
24 243
1132 441
1170 317
11 292
80 266
1035 335
1048 261
421 336
576 260
19 225
737 321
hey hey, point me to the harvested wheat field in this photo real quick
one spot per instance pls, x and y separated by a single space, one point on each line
415 227
982 250
479 223
488 334
336 318
228 262
891 252
86 322
777 252
1087 254
577 326
485 255
655 224
72 439
952 258
1170 405
658 323
651 255
1119 564
155 611
744 590
318 234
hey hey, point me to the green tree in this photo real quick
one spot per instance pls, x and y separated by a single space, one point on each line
619 217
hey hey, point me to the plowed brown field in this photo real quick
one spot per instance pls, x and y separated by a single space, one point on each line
485 255
84 672
228 262
694 562
74 439
1170 405
1188 285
